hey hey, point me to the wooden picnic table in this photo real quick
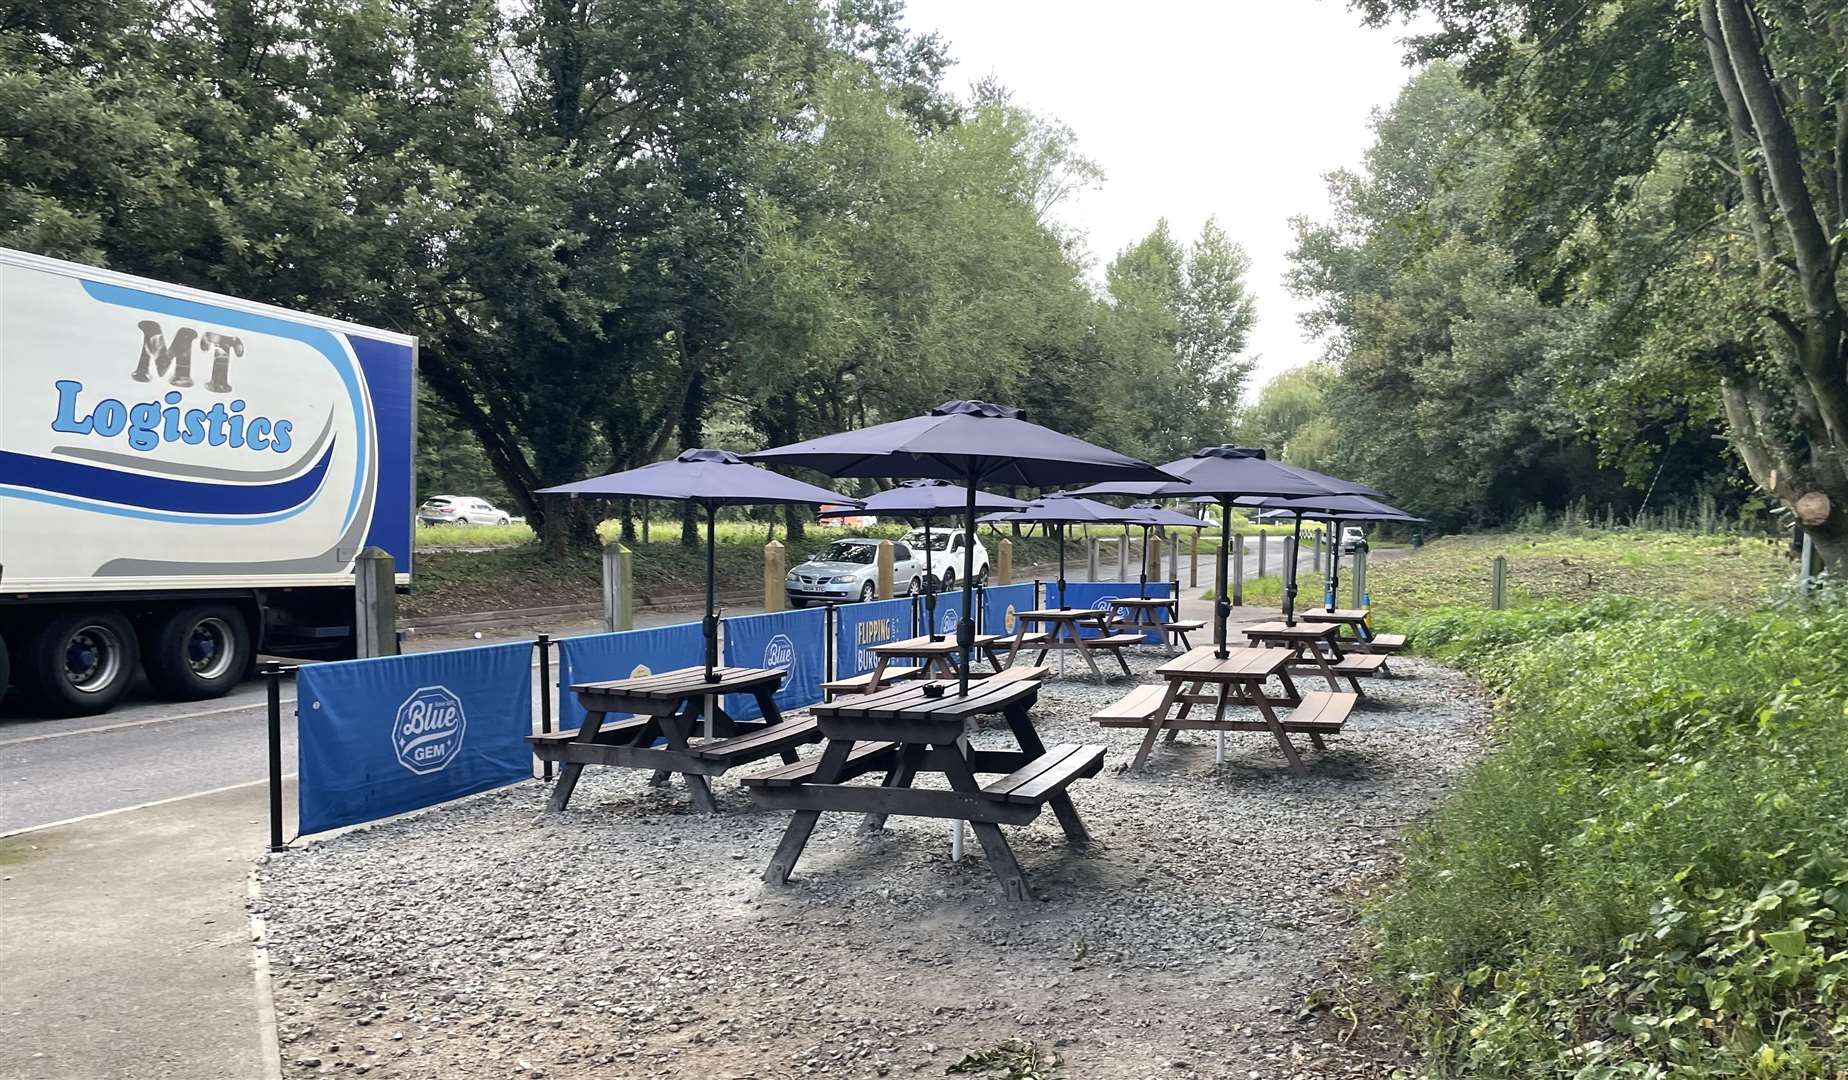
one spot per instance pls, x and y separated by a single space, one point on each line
1065 628
1317 646
1160 615
670 706
922 727
1358 623
1201 677
938 656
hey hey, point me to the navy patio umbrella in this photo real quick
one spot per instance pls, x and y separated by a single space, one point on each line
1151 516
708 478
1059 510
927 499
1228 474
971 443
1335 510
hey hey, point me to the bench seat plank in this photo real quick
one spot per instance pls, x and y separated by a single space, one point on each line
1321 711
1134 708
772 739
863 757
854 684
1360 664
1048 774
609 732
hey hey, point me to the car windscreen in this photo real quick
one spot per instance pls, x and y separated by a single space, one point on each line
939 539
847 551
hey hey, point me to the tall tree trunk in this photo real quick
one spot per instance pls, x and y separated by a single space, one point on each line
628 520
692 437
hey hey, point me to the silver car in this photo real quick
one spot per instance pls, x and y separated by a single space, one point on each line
848 571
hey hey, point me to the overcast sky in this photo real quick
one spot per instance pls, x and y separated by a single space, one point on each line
1220 108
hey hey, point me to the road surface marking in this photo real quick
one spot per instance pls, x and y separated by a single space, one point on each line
139 806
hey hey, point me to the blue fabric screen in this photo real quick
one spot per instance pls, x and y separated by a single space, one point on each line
1097 594
622 655
392 734
1000 602
858 627
795 641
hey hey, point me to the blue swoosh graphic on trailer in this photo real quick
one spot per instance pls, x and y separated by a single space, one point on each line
322 341
76 480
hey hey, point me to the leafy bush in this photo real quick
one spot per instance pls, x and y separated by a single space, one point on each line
1650 878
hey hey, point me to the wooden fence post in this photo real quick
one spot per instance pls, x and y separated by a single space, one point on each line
883 573
1498 583
1359 578
1263 550
1174 559
1238 569
1004 562
1090 558
1317 558
774 571
375 604
1193 558
1151 558
1123 556
618 587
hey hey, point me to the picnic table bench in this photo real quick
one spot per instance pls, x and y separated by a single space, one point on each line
1356 622
669 706
1154 614
1065 631
1317 646
1201 677
922 727
937 656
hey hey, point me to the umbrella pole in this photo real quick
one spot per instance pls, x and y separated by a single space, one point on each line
1222 609
1334 568
710 625
1142 571
1060 527
965 626
1289 593
930 589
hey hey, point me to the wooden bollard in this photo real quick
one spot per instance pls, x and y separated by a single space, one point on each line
1498 583
1004 562
375 604
1238 570
883 573
774 572
1151 558
1193 558
618 587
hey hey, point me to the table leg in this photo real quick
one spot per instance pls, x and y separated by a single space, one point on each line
899 776
1069 820
1021 724
1283 737
1085 651
1290 692
994 844
675 730
879 667
994 659
1020 631
568 776
1322 662
1174 733
1155 724
802 822
1124 664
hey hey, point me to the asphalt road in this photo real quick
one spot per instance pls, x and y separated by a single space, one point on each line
148 750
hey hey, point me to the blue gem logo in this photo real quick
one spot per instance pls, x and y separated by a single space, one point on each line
427 733
780 652
948 621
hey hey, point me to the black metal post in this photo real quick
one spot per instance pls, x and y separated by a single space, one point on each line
1289 592
1334 568
965 626
1060 527
710 625
930 587
828 627
1142 567
1222 608
272 673
545 691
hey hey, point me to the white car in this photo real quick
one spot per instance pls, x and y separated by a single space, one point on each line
460 510
848 570
1353 538
946 556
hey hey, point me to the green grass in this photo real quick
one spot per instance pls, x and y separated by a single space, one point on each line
1455 571
475 575
1649 876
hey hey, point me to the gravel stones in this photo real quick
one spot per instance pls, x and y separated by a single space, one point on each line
634 937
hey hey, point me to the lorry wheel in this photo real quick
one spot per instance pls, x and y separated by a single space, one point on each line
81 662
198 651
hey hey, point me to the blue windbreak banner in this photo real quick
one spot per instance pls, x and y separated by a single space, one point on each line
949 613
858 627
795 642
625 654
396 733
1000 602
1098 594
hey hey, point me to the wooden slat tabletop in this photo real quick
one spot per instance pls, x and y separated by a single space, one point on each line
1341 615
682 682
911 701
1143 601
1052 614
924 646
1250 663
1299 632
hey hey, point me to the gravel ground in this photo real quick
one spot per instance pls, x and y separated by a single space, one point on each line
633 937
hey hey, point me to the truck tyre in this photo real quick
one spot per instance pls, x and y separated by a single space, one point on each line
196 652
81 662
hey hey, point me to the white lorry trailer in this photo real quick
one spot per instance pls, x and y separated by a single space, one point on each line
186 480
